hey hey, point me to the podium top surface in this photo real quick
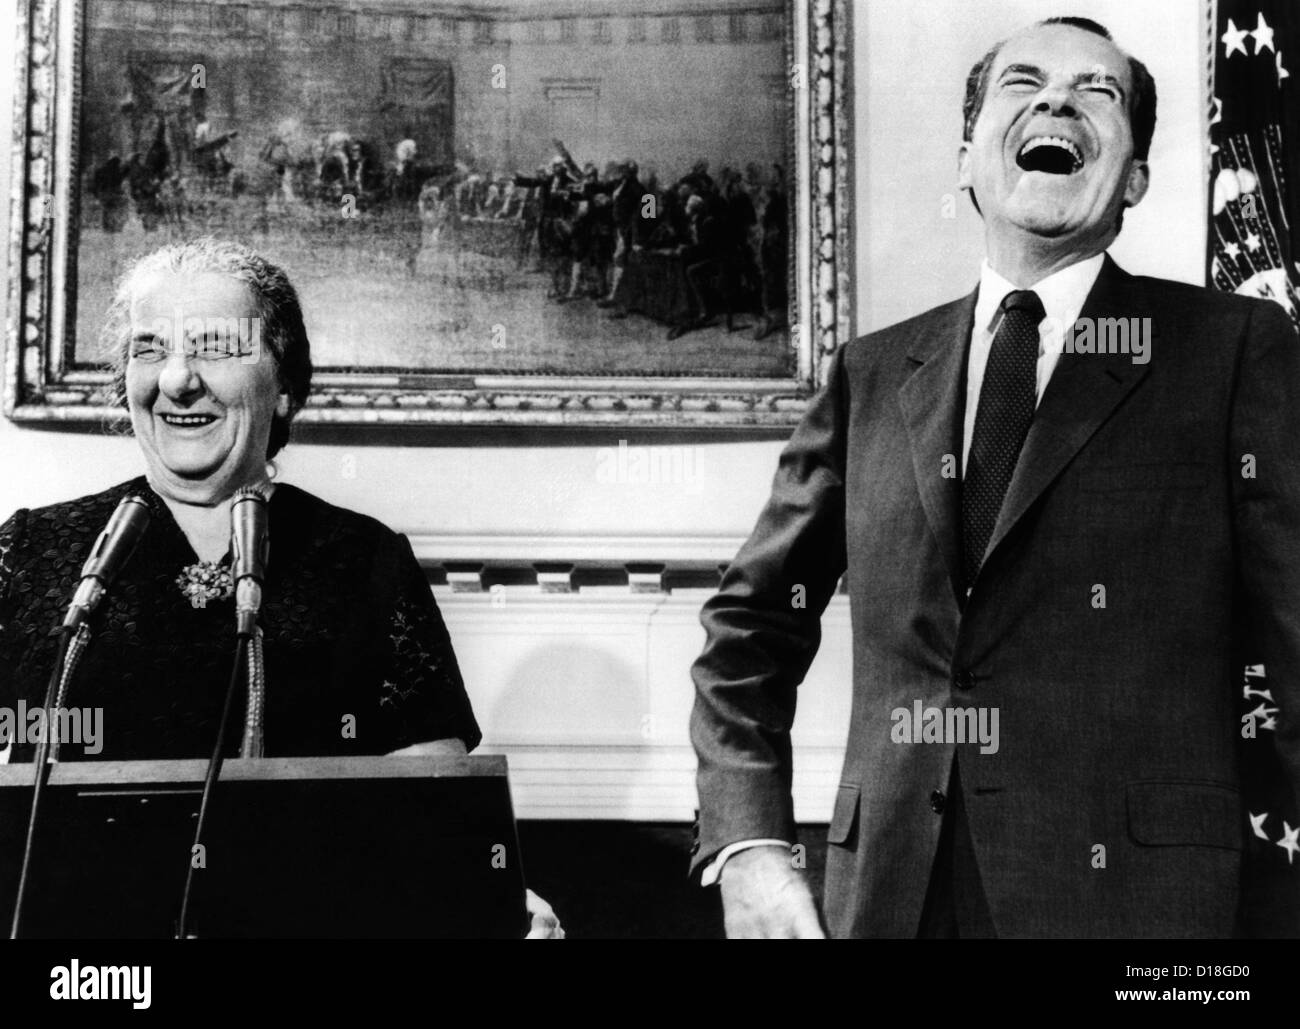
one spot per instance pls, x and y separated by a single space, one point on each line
100 773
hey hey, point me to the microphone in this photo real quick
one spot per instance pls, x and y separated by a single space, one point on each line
111 551
250 546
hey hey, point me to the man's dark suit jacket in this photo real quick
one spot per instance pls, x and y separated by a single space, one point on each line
1174 484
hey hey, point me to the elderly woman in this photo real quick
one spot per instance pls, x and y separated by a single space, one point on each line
213 362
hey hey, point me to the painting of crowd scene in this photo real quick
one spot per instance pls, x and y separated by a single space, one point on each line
543 188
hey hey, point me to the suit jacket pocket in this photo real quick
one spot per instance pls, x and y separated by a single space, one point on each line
1173 813
1162 476
844 818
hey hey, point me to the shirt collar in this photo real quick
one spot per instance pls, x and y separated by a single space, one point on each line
1062 293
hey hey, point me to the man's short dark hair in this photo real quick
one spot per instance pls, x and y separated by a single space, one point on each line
1141 105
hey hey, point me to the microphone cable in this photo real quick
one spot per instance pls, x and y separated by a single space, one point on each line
214 771
42 775
250 548
111 551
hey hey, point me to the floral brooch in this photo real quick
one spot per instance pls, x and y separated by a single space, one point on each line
203 582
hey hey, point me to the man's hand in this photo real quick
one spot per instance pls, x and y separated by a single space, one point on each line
544 924
764 898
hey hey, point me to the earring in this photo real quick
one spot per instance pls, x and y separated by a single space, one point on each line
272 470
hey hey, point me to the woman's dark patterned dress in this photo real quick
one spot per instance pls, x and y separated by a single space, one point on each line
358 660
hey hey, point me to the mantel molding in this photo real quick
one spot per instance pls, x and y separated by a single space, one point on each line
439 548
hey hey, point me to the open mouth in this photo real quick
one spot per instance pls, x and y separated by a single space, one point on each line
1051 154
188 421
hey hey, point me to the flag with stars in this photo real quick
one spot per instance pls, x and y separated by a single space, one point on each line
1254 228
1254 249
1270 901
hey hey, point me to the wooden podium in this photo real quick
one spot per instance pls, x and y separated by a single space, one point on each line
365 847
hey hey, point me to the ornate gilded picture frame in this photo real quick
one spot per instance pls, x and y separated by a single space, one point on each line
530 213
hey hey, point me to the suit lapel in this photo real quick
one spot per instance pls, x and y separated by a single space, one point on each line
1082 392
932 405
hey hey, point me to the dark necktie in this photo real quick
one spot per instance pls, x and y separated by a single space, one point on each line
1006 407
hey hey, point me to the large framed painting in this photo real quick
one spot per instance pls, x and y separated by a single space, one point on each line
529 212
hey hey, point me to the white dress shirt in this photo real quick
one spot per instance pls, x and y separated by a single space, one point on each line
1062 293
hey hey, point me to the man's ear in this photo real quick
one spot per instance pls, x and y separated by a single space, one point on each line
1139 178
963 166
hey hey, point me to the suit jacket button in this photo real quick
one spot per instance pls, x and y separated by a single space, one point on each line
964 680
937 801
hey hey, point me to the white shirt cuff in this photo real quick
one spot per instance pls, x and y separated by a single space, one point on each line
713 870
